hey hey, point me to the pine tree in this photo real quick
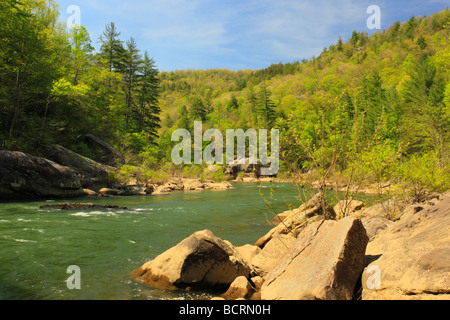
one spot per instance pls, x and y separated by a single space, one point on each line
372 98
265 108
424 122
148 109
132 64
112 49
197 110
354 39
421 42
339 46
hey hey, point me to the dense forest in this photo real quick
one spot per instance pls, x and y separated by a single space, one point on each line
376 106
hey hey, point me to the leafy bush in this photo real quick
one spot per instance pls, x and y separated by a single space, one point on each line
425 173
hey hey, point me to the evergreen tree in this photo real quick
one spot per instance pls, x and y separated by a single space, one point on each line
112 50
339 46
148 109
265 108
355 38
372 98
421 42
232 104
424 122
132 64
197 110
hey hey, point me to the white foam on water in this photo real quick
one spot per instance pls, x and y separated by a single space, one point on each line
92 213
18 240
143 209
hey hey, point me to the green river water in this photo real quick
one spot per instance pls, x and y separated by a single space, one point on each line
37 246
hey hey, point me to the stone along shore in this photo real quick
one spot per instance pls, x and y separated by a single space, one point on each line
314 253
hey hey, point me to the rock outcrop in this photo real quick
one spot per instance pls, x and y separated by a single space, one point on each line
104 152
411 258
23 176
93 175
269 256
201 260
242 165
324 263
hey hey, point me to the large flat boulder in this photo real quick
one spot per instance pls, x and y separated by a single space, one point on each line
23 176
324 263
411 258
269 256
201 260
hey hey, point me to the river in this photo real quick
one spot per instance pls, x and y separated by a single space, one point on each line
37 246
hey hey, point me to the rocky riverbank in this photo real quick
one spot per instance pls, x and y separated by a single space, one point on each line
66 174
314 252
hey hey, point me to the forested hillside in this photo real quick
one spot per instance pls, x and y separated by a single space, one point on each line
376 106
55 88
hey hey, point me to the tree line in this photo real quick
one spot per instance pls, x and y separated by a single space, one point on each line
55 88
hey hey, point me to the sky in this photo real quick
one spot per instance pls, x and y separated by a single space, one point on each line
237 34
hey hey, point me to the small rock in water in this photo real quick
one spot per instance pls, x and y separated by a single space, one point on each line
72 206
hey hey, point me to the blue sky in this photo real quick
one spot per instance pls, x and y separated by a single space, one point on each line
237 34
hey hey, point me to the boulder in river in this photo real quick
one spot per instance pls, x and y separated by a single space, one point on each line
23 176
81 206
201 260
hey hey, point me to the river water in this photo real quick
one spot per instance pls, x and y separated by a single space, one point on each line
37 246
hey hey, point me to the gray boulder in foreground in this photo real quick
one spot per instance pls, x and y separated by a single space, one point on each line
23 176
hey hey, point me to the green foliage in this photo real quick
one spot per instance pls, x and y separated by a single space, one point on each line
379 163
359 104
427 172
55 88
